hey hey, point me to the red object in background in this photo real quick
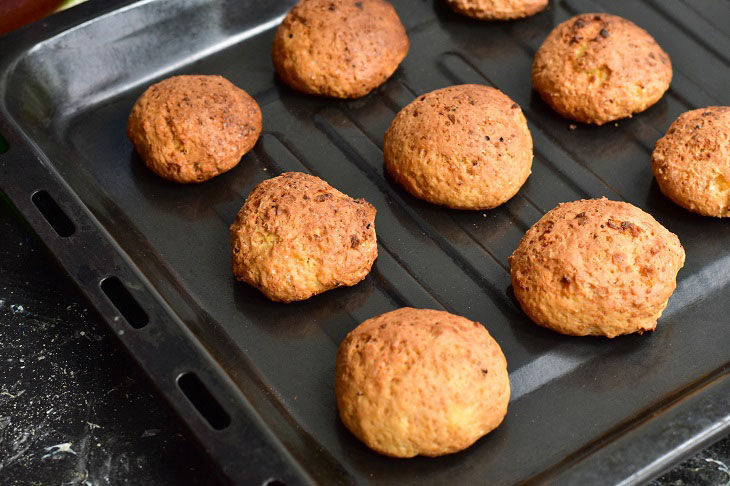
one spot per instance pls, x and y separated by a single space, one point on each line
17 13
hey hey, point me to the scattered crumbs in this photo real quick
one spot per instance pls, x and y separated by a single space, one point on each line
484 215
58 449
52 386
6 393
615 124
572 126
721 466
150 432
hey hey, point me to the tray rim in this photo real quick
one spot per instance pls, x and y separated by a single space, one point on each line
24 155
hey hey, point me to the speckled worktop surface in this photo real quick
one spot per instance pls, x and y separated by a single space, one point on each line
75 410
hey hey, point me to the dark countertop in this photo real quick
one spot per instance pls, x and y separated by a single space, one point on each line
74 408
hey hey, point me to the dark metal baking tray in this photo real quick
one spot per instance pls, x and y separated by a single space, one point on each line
254 379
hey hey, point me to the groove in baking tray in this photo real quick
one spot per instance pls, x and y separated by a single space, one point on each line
676 12
711 11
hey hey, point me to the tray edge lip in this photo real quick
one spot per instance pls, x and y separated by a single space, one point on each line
23 40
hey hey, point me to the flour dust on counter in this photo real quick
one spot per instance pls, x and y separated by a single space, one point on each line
708 468
73 409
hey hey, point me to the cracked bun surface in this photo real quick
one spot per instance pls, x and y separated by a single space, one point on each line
420 382
339 48
596 267
498 9
596 68
192 128
691 162
465 147
296 236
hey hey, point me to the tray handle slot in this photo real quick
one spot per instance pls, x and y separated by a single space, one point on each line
204 402
52 212
125 303
4 145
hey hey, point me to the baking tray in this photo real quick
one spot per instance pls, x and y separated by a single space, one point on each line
254 380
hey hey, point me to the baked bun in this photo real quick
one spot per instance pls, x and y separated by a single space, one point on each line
691 162
465 147
596 68
339 48
498 9
596 267
420 382
296 236
192 128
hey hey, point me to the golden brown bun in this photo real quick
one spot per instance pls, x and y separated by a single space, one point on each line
466 147
595 68
596 267
296 236
498 9
339 48
691 162
192 128
420 382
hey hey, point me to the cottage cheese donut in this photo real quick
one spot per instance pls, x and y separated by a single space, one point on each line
465 147
498 9
192 128
596 267
296 236
420 382
691 162
339 48
595 68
